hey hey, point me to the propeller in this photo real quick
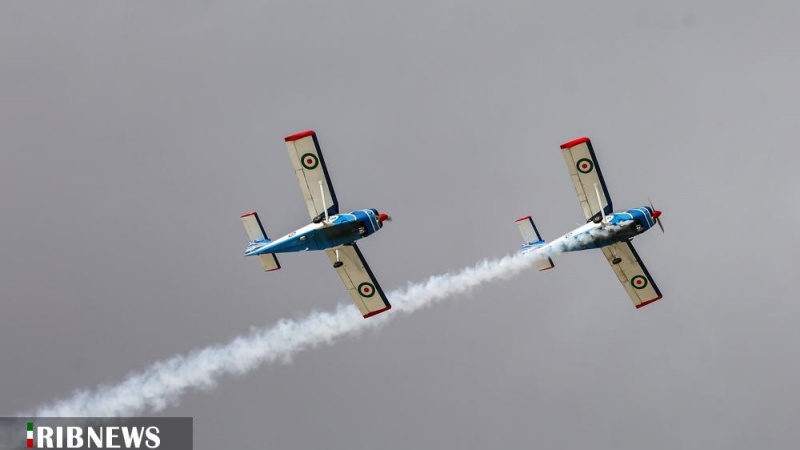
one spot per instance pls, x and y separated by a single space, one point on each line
383 217
656 214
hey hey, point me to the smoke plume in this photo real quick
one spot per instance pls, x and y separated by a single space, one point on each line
165 382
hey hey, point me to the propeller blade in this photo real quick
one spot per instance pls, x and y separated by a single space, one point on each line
656 214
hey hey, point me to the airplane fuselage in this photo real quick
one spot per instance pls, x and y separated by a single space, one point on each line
617 227
339 229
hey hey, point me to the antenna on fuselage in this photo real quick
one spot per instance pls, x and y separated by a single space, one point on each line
599 205
324 206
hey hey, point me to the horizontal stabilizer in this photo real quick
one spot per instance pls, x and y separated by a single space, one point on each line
546 264
253 227
533 240
269 262
255 232
528 230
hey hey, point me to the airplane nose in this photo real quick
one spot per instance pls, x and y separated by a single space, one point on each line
656 213
383 217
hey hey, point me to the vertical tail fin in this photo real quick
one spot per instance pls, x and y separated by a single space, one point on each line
255 232
533 239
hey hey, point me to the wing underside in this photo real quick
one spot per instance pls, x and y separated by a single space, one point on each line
309 166
587 177
632 273
359 280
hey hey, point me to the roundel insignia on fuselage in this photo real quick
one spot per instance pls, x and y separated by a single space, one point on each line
366 289
584 165
309 161
639 282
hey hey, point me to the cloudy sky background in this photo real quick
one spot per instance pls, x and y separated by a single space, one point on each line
134 134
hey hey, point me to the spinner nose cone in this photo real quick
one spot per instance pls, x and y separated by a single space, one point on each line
382 217
656 214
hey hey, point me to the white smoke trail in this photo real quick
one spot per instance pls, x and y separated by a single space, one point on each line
164 382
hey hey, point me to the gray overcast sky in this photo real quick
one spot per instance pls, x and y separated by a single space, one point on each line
134 134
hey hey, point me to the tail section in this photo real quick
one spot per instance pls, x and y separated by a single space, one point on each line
255 232
533 240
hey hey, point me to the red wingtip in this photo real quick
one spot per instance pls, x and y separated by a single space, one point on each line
248 214
370 314
300 135
648 302
574 142
523 218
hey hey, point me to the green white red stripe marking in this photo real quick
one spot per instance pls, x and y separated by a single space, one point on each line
30 434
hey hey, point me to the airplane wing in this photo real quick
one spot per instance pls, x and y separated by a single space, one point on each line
309 166
585 173
632 273
359 281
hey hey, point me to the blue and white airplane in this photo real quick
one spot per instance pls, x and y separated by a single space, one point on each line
330 231
609 231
